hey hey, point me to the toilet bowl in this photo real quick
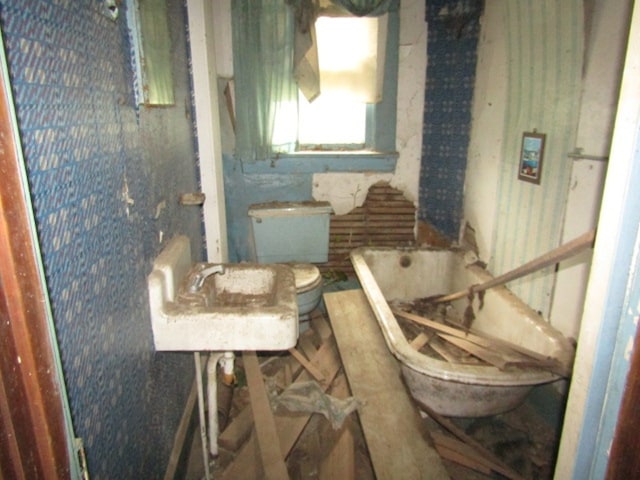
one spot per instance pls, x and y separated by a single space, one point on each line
308 290
296 234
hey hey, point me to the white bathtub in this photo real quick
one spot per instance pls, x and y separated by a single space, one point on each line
388 274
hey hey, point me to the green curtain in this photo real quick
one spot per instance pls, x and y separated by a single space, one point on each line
265 35
361 8
265 89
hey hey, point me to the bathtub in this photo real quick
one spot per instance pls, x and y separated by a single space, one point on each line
388 274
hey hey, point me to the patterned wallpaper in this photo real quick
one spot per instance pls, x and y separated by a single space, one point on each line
453 31
105 177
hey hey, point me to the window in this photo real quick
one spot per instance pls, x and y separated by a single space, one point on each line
348 57
356 108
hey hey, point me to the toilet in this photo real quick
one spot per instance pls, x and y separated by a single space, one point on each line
295 233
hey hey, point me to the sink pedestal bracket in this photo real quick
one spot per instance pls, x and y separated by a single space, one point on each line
226 359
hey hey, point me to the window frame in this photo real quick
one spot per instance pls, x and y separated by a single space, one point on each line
379 153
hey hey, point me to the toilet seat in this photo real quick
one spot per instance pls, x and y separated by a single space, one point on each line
307 277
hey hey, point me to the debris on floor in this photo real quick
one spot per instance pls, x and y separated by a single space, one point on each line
518 444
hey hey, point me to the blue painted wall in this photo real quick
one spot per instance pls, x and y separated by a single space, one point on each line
244 189
99 171
451 64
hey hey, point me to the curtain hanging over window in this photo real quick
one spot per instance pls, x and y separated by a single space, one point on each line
266 92
306 68
274 53
361 8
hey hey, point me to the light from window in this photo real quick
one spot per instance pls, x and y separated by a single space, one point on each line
348 57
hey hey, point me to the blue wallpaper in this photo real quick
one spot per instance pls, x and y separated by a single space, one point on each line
105 178
453 30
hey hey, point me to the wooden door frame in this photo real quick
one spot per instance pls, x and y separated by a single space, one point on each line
34 426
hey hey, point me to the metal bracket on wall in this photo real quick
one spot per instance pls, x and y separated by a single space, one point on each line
196 198
578 155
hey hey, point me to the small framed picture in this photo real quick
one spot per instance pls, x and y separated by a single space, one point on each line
531 155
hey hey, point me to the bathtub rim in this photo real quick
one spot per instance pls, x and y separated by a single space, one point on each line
400 348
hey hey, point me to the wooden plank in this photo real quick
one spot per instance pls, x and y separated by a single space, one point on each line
265 426
306 345
420 341
309 367
461 459
340 462
445 353
487 341
321 327
181 434
482 353
374 377
452 428
478 459
238 431
288 427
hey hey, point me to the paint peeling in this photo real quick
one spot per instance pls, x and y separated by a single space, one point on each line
125 194
161 206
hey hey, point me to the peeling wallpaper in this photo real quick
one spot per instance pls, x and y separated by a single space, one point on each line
105 176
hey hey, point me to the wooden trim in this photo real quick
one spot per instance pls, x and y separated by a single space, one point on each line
389 417
32 427
624 461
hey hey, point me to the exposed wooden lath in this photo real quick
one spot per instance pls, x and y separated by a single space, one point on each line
386 218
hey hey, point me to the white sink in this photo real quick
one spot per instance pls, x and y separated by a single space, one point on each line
248 307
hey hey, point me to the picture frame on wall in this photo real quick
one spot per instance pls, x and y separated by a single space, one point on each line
531 156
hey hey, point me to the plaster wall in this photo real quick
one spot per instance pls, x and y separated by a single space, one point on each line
604 56
487 125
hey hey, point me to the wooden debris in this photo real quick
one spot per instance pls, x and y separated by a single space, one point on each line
238 430
265 426
288 427
496 464
321 327
340 461
306 345
310 367
527 357
388 412
420 341
487 355
460 453
314 450
452 354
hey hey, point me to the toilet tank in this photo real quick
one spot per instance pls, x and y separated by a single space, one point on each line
291 231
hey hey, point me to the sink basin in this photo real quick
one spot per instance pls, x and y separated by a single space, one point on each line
248 307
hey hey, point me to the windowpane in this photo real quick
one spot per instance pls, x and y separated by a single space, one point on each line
331 119
347 56
348 59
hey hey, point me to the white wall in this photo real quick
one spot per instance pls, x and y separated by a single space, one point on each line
603 66
487 129
603 58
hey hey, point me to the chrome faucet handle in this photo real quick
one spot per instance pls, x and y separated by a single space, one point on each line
202 275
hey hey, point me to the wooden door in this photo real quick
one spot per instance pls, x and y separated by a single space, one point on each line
33 433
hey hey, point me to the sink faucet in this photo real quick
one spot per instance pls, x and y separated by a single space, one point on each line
202 275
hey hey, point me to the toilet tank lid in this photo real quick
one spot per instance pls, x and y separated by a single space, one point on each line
281 209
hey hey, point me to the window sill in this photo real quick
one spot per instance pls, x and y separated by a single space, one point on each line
323 162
